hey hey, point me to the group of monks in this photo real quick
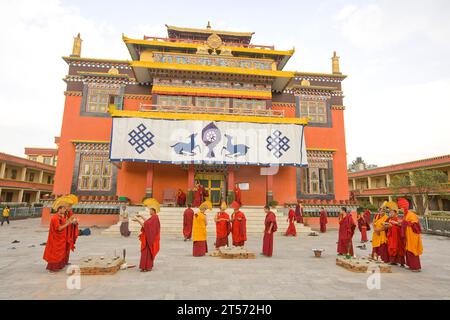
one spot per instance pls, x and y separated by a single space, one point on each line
62 235
194 226
200 194
395 241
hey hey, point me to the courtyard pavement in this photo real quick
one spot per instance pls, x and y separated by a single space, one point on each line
292 273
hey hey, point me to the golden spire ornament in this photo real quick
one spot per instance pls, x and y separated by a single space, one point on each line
76 49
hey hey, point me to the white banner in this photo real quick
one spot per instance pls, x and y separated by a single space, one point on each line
202 141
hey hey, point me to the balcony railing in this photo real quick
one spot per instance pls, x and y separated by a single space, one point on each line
231 44
215 110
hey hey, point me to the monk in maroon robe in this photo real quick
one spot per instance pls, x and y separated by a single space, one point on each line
291 230
323 220
149 237
198 195
223 226
299 212
237 194
396 248
411 235
239 226
346 230
270 226
188 217
367 217
363 226
72 232
55 252
181 198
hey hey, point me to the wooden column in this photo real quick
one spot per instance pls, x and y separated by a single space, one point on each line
2 170
230 181
269 188
149 181
191 177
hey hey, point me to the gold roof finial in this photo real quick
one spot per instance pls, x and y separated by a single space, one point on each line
209 25
335 64
76 49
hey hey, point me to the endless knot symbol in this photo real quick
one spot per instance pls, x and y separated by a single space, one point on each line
276 143
141 138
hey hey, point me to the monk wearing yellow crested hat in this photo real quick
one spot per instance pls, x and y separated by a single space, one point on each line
199 235
379 236
223 226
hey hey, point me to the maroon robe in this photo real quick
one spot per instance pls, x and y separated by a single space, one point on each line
267 249
291 230
150 236
237 195
188 217
198 196
181 199
199 248
323 221
363 226
346 230
55 252
299 214
223 229
396 249
412 261
72 235
239 229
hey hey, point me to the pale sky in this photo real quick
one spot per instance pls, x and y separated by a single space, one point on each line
396 55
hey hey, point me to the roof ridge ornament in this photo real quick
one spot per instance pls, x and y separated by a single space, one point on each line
76 49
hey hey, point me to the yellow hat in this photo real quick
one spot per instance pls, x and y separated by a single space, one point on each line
391 205
223 205
62 201
73 197
206 205
152 203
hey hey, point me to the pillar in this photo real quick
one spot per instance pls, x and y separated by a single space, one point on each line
369 183
269 188
38 196
354 184
230 181
41 176
191 177
149 181
371 199
388 180
23 175
20 196
2 170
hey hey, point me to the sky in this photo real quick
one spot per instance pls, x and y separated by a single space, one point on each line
396 55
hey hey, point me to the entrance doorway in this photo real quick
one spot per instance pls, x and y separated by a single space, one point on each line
214 184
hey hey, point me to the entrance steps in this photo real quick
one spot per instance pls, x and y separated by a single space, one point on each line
171 219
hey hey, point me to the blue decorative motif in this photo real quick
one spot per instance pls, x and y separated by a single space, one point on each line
141 138
186 149
211 137
277 143
234 150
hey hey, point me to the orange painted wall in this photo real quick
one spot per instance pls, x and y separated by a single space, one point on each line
131 181
284 185
257 193
168 177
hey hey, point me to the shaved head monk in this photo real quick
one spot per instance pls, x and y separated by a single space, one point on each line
149 237
346 231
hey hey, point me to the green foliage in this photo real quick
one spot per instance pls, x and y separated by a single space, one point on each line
273 203
420 184
366 205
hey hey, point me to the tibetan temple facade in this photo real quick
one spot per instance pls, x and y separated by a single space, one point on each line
204 105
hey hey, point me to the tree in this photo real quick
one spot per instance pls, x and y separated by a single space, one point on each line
419 186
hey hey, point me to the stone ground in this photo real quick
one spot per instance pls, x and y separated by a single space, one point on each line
292 273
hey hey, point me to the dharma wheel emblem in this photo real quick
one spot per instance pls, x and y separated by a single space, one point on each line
214 41
211 137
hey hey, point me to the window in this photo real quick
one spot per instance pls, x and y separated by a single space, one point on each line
317 179
31 177
249 104
98 98
49 179
212 102
33 158
314 109
47 160
173 101
95 173
14 174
